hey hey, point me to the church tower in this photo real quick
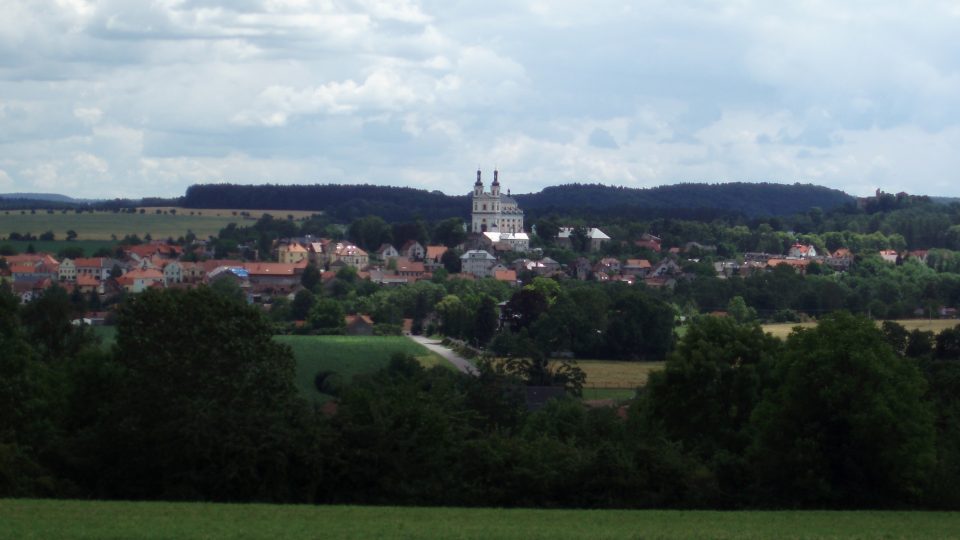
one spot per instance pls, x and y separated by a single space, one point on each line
493 212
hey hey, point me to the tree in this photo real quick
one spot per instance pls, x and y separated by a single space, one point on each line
302 304
948 344
485 320
845 424
327 317
708 389
71 252
28 405
450 232
207 408
547 230
640 327
47 321
524 308
451 261
310 278
369 232
580 239
47 237
528 362
71 235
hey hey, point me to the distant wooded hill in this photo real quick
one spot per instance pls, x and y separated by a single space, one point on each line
581 200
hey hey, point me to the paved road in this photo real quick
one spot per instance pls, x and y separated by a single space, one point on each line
460 362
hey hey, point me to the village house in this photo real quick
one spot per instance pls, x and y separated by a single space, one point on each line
408 268
172 273
277 274
507 276
649 241
292 253
802 251
596 237
800 265
386 252
413 250
840 260
890 256
666 267
137 281
518 241
477 262
358 325
349 255
434 257
637 267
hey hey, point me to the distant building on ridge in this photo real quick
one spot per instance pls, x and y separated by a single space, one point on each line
493 212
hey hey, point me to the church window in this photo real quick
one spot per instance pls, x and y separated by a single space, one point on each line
484 207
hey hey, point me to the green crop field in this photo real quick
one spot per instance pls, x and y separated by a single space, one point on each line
33 519
107 225
349 356
89 247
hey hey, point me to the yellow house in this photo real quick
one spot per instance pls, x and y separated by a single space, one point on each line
291 253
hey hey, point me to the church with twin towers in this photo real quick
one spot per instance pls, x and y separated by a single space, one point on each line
494 212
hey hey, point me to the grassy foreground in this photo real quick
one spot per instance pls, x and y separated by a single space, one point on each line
33 519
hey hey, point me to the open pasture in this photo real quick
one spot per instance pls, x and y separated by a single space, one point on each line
41 519
239 214
109 225
782 330
614 374
349 356
159 222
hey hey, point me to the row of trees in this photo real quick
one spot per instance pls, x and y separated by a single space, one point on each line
203 407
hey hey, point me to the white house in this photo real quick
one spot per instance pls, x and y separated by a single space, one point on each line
516 241
596 236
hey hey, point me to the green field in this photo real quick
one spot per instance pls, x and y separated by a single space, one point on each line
107 225
32 519
349 356
89 247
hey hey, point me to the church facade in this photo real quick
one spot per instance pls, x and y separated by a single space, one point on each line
493 212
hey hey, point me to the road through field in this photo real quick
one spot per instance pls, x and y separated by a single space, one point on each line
462 363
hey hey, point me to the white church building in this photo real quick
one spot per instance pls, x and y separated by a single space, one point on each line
493 212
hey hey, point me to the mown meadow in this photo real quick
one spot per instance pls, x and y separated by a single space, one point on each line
81 520
111 225
782 330
349 356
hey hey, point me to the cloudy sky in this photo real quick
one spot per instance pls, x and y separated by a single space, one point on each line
137 97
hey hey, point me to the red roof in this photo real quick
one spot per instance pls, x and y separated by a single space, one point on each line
95 262
274 269
435 252
505 275
144 274
86 280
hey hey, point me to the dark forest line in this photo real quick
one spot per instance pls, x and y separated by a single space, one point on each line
703 201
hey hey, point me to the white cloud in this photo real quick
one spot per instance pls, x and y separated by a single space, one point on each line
117 98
